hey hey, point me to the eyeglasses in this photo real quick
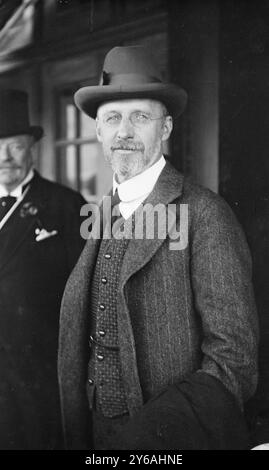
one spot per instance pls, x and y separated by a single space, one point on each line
138 119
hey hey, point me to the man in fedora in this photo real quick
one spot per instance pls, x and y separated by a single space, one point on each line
39 245
158 345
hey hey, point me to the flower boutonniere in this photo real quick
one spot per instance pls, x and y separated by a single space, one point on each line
30 210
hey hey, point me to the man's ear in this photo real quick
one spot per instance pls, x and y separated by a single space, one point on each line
167 127
98 131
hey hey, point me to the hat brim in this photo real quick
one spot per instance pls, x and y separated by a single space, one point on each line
89 98
35 131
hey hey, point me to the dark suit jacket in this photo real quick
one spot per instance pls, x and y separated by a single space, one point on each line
32 279
187 330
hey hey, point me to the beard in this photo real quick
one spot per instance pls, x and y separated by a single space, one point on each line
130 159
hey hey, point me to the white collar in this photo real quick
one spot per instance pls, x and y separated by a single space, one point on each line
17 192
140 185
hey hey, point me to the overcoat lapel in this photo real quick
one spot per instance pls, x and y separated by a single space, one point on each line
17 227
139 252
81 276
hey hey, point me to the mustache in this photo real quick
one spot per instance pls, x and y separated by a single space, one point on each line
127 146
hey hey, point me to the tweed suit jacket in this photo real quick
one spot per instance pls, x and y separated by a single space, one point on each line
186 320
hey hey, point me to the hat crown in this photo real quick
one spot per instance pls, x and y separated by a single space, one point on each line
14 114
130 73
133 63
14 106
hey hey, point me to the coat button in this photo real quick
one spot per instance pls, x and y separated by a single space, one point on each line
101 333
108 256
90 382
100 357
104 280
102 307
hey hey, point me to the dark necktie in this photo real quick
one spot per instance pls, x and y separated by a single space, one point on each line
5 204
115 200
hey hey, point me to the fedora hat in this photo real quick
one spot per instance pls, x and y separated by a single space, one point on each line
130 73
14 115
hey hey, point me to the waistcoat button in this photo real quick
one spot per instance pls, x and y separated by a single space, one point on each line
100 357
101 333
104 280
108 256
102 307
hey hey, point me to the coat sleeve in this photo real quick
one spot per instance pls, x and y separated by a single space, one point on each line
204 411
224 299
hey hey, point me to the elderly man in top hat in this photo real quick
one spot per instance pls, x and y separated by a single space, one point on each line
39 245
158 346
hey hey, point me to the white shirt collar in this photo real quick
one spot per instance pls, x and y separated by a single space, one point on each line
17 192
135 190
141 184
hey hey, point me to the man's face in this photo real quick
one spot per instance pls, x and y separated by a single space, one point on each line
15 159
132 132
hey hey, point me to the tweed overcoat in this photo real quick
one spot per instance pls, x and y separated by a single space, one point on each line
32 278
187 329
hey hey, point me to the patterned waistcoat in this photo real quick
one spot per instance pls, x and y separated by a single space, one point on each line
104 368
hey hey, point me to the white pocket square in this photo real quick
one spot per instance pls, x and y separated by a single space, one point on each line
42 234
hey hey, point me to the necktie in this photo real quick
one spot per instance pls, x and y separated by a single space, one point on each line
6 203
115 200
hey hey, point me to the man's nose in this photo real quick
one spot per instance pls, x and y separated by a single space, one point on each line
4 153
126 129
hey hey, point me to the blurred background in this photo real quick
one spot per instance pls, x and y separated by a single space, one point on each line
217 50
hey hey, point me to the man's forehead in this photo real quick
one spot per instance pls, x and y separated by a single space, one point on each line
15 138
129 105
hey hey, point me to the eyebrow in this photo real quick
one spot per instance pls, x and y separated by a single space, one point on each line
134 111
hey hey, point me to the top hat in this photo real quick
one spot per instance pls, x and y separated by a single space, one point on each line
130 73
14 115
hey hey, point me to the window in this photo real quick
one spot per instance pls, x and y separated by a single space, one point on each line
77 149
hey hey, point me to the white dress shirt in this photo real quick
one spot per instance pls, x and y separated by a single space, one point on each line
17 192
134 191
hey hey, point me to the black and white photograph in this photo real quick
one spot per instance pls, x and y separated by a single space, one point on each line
134 227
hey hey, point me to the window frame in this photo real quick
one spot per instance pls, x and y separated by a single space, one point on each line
61 143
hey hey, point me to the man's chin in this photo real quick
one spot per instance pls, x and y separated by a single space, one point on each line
126 166
126 172
7 178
